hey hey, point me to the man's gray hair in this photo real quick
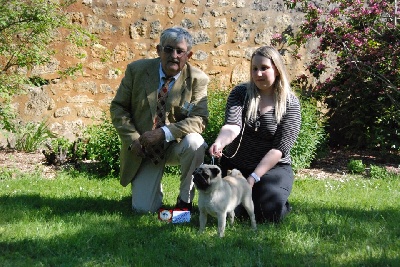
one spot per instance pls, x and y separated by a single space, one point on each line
176 34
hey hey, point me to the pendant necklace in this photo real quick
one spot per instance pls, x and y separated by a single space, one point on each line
257 123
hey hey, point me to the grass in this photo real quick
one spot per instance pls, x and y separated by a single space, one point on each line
82 220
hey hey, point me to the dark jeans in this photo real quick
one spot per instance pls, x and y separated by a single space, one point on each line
270 194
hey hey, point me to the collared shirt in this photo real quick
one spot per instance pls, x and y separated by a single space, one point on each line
162 76
168 135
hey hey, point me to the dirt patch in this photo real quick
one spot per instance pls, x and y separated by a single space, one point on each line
333 165
26 162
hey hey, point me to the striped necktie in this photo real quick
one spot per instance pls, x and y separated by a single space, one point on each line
162 98
156 152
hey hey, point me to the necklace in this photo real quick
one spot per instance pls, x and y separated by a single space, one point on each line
257 122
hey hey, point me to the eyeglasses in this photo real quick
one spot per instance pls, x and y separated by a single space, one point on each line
169 50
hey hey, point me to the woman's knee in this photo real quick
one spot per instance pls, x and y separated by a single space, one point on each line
269 202
269 211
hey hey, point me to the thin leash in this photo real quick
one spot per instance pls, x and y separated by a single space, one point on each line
244 110
241 135
240 142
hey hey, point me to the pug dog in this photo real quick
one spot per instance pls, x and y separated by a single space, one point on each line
219 196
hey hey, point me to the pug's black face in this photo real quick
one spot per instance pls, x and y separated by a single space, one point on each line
203 175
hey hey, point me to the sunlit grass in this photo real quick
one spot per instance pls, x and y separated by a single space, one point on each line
82 220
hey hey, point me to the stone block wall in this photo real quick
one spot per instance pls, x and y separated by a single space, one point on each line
225 32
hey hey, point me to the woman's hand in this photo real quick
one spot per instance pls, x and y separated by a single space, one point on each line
251 180
216 150
226 135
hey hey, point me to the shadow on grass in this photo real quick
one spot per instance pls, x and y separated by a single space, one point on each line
64 206
370 235
80 231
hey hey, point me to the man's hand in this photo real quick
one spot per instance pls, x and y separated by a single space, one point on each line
151 138
137 148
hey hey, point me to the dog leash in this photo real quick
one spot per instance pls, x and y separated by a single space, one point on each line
237 149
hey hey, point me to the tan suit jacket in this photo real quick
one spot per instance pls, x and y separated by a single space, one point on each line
133 109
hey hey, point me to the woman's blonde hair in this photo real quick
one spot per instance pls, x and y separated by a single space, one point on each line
281 86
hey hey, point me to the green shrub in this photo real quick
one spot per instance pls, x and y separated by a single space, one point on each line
356 166
312 136
64 144
31 136
377 172
361 87
101 143
216 107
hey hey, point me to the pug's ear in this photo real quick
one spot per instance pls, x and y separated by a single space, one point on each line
215 170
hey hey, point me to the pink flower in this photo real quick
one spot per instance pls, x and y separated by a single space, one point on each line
320 66
319 30
358 42
277 36
334 12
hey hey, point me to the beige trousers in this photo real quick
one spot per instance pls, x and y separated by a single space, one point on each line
147 193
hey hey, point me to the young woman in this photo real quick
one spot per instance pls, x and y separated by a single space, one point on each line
262 122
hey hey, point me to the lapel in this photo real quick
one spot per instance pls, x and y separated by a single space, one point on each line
175 94
152 80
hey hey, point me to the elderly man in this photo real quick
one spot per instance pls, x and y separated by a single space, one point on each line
159 112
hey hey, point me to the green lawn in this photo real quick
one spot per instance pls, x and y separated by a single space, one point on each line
83 220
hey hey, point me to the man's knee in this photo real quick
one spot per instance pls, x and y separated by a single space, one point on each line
195 141
140 206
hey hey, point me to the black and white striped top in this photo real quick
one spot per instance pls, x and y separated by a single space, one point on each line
255 144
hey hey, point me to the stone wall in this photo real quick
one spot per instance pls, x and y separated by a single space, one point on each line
225 33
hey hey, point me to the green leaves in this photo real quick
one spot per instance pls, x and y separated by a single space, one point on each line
28 29
356 166
312 135
216 106
361 81
32 135
101 143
